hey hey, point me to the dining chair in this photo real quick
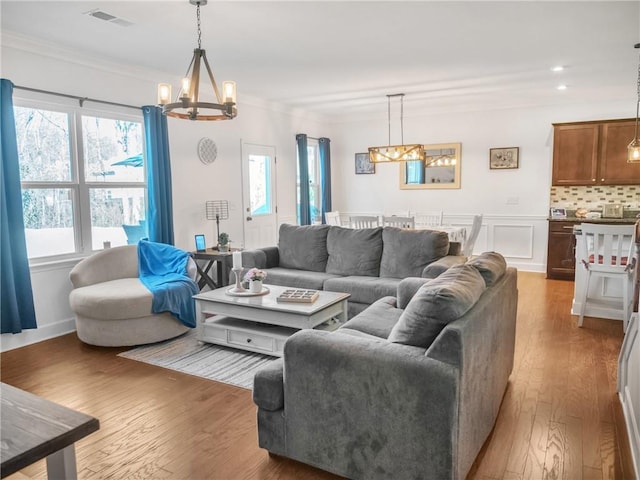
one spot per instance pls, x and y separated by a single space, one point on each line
333 218
429 219
364 221
467 247
397 221
608 253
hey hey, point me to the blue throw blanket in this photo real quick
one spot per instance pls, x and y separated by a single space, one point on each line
163 270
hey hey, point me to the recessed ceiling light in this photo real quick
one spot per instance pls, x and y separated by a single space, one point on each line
557 68
561 87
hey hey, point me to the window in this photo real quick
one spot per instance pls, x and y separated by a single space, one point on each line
83 179
315 182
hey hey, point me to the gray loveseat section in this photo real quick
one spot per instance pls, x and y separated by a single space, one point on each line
367 263
410 388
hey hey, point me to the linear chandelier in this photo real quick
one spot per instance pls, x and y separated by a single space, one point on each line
396 153
633 150
187 104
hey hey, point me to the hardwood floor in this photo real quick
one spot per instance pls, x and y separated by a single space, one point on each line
560 418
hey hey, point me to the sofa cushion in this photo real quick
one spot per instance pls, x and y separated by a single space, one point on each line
354 251
491 266
289 277
436 304
363 289
377 320
405 253
303 247
113 300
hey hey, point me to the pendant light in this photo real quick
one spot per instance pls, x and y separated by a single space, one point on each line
187 104
633 150
396 153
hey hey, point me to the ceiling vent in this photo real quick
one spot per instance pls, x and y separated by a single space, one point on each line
107 17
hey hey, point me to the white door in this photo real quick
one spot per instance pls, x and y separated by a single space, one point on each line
259 195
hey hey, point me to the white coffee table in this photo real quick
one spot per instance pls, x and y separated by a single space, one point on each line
260 323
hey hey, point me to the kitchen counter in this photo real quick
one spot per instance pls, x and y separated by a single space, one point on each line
628 218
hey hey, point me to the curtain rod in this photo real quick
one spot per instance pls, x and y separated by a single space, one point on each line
81 100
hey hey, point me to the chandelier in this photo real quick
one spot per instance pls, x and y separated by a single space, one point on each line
396 153
633 150
187 104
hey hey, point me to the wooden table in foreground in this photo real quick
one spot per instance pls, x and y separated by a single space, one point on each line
261 324
34 428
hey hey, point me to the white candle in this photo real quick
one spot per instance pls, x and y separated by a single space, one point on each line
237 259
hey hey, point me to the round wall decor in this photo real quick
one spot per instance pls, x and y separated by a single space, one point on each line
207 150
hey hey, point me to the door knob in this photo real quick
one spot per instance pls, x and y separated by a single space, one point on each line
249 219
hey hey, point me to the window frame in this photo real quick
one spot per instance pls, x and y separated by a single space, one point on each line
78 185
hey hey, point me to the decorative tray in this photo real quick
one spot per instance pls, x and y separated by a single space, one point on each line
246 293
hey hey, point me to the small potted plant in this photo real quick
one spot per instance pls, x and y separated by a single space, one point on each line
255 276
223 242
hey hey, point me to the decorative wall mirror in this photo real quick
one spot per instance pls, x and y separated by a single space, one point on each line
441 169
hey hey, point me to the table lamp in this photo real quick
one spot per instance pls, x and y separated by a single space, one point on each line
217 210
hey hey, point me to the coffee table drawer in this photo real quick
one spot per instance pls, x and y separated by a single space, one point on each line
250 339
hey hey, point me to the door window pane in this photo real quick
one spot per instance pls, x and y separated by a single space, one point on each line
260 185
48 221
117 216
112 150
43 145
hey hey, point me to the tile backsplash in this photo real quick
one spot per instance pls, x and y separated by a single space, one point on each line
594 197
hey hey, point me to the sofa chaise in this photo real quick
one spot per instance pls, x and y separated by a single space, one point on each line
367 263
408 389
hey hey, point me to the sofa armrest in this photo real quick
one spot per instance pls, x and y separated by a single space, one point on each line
268 386
267 257
455 248
407 288
378 404
434 269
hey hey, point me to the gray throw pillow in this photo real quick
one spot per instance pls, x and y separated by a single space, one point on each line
303 247
405 253
436 304
491 266
354 251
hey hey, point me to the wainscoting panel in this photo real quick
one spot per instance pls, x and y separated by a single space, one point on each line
514 241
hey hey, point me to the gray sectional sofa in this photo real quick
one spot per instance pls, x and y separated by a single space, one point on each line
408 389
367 263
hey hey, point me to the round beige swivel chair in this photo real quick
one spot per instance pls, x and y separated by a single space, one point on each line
113 307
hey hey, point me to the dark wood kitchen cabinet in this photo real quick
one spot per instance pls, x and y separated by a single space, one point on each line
593 153
561 260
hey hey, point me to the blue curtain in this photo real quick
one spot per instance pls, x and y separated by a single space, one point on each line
304 207
16 305
160 209
415 172
325 175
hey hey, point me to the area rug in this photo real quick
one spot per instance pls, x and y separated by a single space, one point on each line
184 354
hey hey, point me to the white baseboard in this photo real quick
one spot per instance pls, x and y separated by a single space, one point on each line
629 387
10 341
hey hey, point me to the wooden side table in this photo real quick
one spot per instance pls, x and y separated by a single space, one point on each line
34 428
213 256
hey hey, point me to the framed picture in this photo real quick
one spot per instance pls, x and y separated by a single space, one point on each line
363 165
558 213
502 158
